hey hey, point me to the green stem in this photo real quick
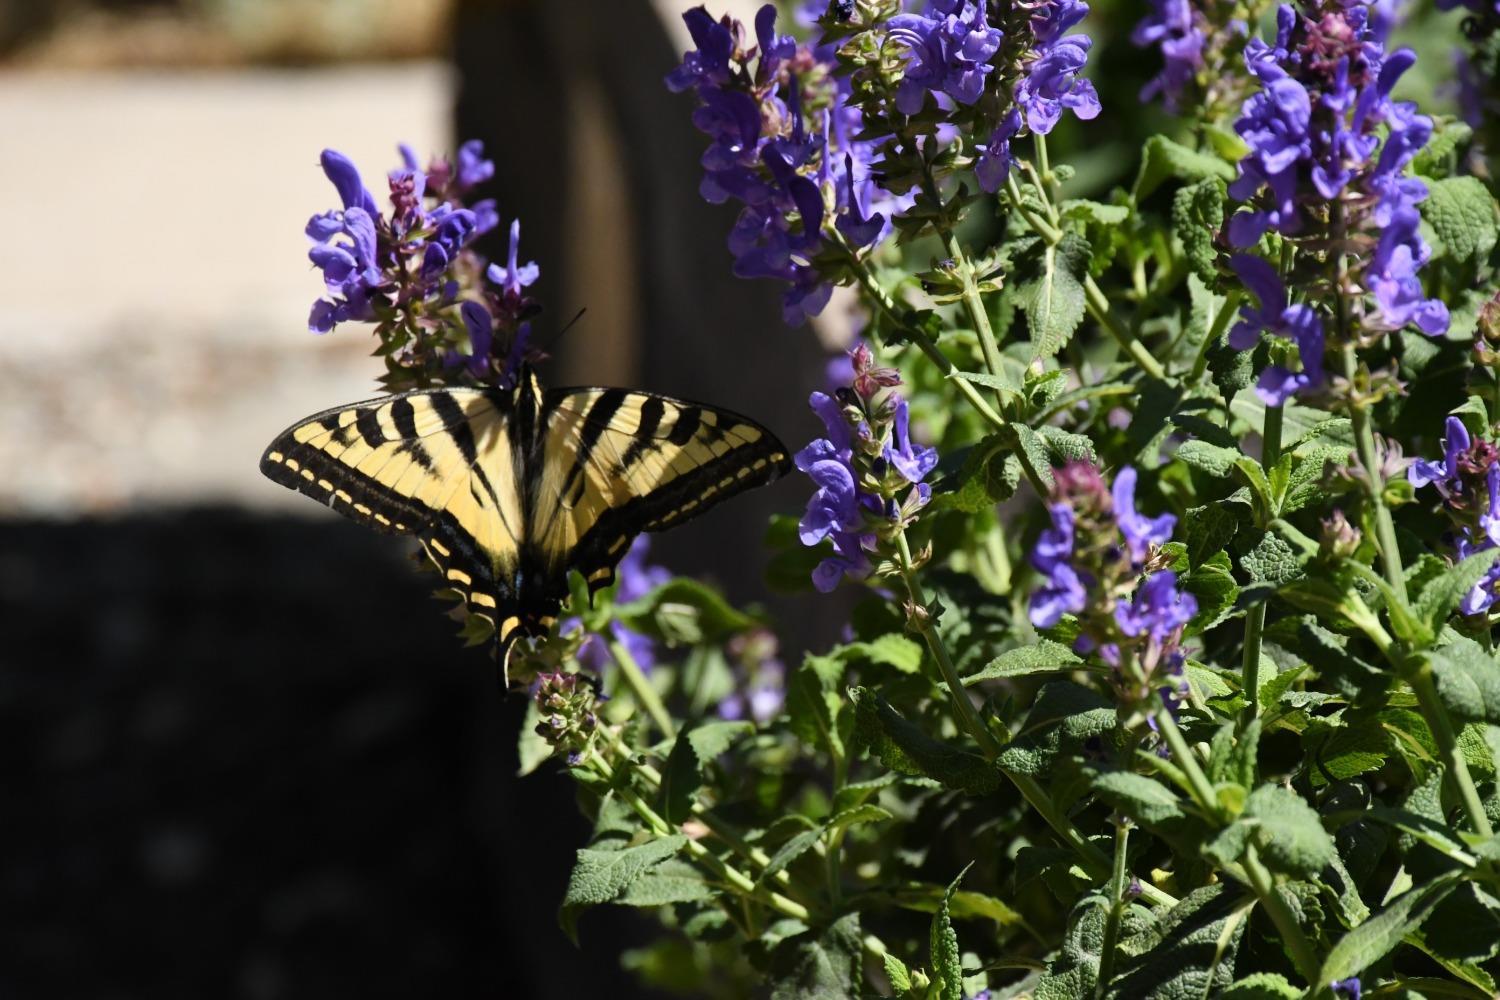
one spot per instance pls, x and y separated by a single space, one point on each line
1035 795
1447 739
967 714
1255 619
1098 307
1116 907
732 876
1183 757
1303 956
973 301
909 330
1364 441
1094 298
1216 331
640 687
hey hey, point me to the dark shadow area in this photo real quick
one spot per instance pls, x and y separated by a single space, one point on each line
246 757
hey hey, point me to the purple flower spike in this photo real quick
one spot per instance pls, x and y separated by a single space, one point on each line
912 461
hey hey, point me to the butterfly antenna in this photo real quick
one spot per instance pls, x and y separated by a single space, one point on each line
566 327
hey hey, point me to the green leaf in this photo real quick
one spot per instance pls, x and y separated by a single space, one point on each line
1190 949
903 746
1468 680
1001 381
601 876
684 768
1046 657
684 612
1212 583
1197 214
1272 561
1093 211
1064 717
1462 215
897 972
1262 986
1210 458
1162 158
1292 836
1208 529
672 881
1446 138
829 965
1073 972
1054 299
1064 446
947 971
1348 751
1372 940
790 851
1148 802
1440 597
813 702
857 816
1465 926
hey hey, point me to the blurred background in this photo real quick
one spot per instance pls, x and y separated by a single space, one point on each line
218 780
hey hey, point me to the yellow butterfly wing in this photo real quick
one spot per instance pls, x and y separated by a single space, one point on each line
619 463
439 464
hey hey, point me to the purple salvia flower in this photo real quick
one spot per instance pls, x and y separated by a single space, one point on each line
948 51
513 277
1176 27
1346 989
1299 323
1142 534
1052 83
1158 609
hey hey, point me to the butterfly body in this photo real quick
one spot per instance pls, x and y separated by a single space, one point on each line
510 490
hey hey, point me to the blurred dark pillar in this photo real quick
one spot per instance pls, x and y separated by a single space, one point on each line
532 75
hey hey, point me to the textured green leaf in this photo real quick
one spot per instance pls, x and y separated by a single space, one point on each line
1372 940
1054 299
1064 446
684 612
1262 986
1208 529
1163 158
947 970
1292 836
1212 583
672 881
1348 752
1462 215
1465 927
1468 680
1441 597
1073 972
684 768
857 816
1192 947
897 972
820 968
1063 718
1148 802
1046 657
1272 561
601 876
813 702
794 848
1210 458
1197 214
903 746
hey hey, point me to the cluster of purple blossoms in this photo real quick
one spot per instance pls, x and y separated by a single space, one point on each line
950 52
868 471
414 272
1098 559
1176 27
1315 135
1468 481
784 146
949 46
637 579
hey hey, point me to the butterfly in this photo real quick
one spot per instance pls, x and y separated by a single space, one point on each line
509 490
